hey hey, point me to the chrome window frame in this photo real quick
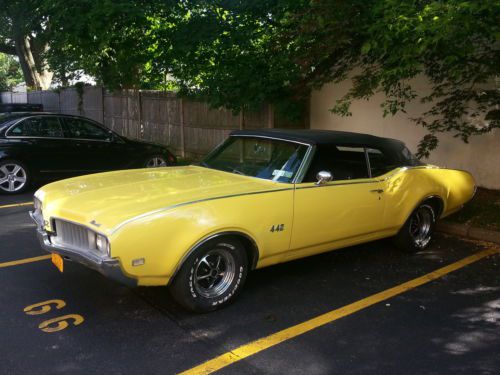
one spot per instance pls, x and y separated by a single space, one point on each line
94 123
33 137
7 136
299 175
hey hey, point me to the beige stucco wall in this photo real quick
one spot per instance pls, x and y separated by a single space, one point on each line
481 156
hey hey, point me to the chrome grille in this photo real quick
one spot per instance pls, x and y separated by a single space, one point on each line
71 235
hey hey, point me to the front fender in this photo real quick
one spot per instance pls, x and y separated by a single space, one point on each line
164 239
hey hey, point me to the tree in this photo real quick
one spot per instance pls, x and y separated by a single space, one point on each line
10 72
454 43
21 35
239 53
109 40
242 53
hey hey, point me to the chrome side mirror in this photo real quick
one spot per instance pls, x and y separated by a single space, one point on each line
323 177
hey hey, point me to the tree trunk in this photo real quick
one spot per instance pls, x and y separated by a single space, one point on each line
33 78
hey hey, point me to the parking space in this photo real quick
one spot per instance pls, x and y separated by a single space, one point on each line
451 324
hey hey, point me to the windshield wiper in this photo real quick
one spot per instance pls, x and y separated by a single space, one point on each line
238 172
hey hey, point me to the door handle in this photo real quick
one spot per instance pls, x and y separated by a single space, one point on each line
380 191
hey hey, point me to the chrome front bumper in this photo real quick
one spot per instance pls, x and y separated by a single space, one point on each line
106 266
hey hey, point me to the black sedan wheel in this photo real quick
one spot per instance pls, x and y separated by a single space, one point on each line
156 161
14 177
211 276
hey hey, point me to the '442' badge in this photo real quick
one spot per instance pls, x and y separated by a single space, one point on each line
278 228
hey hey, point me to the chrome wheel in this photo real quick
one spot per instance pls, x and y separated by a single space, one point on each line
156 162
13 177
421 226
214 273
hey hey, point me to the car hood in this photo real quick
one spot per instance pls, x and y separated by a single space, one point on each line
105 200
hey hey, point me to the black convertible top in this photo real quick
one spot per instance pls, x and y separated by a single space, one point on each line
316 137
391 147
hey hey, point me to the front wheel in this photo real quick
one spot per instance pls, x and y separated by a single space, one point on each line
212 276
417 231
14 177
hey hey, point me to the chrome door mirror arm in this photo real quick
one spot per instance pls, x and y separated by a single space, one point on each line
323 177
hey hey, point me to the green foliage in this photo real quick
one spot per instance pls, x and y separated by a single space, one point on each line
454 43
10 72
241 53
108 40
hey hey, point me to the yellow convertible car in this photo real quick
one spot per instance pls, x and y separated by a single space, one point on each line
262 197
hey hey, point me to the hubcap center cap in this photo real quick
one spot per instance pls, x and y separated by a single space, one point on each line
213 273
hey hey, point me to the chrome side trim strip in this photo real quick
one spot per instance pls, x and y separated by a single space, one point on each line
339 184
59 138
119 226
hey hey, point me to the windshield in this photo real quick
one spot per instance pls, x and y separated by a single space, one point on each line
270 159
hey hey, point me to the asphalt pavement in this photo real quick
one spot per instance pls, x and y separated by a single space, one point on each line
93 325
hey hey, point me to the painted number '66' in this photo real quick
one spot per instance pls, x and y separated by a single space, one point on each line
55 324
60 323
44 307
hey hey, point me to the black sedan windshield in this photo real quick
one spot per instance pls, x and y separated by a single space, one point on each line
269 159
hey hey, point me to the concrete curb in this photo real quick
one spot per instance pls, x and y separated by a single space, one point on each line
467 231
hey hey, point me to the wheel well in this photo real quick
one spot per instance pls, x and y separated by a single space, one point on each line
250 248
437 204
248 243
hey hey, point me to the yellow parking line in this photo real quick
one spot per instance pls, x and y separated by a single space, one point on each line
265 343
24 261
17 205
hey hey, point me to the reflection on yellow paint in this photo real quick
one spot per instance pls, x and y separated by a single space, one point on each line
60 323
44 307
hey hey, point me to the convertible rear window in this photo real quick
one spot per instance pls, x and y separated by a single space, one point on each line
379 162
269 159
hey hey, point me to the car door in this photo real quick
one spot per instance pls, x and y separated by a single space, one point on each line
40 142
98 150
347 210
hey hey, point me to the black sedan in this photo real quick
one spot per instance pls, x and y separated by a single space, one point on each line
46 146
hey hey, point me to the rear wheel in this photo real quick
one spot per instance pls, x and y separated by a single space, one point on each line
14 177
416 233
156 161
211 276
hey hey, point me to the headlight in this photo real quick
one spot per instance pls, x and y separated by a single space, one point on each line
38 213
38 205
101 244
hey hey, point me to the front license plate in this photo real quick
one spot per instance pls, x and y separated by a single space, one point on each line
58 261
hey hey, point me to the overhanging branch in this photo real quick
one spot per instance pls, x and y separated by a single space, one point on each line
9 50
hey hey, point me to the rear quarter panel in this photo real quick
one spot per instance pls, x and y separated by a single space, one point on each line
408 187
